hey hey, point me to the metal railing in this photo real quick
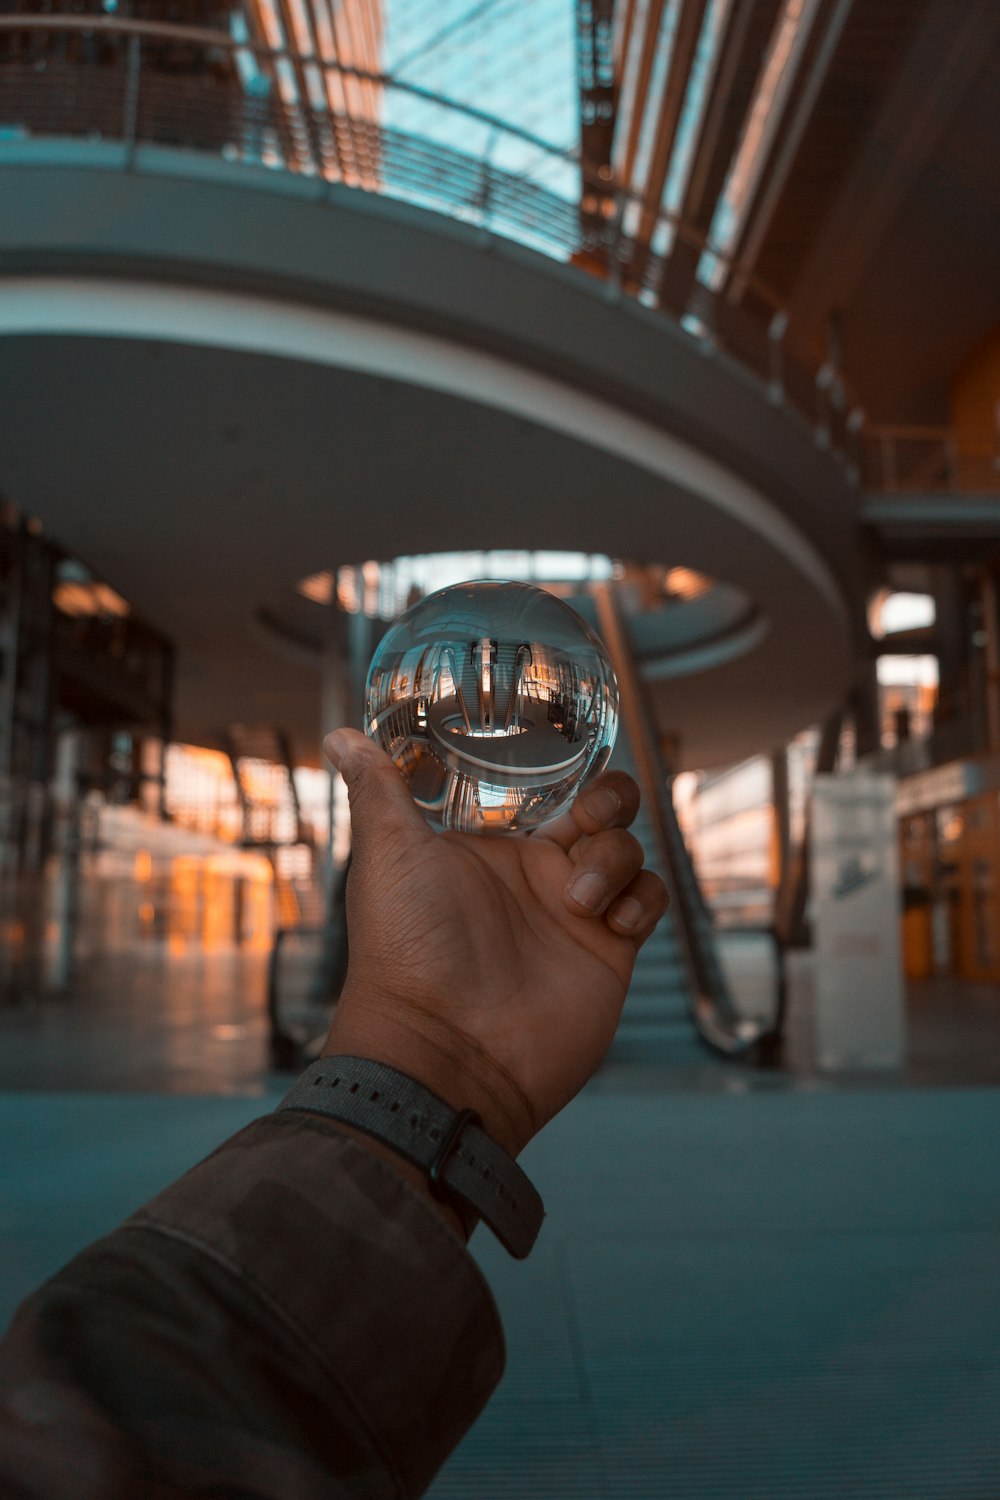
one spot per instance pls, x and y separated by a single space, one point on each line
305 975
931 460
155 84
752 958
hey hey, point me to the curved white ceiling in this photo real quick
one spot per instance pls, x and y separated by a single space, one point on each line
216 319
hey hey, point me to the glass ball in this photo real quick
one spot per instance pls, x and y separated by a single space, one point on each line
496 701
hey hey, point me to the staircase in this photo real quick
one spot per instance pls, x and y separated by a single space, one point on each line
262 769
261 759
299 897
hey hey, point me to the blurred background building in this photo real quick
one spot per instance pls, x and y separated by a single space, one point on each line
687 310
684 308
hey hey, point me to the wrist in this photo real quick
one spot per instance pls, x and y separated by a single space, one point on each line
436 1055
463 1163
460 1223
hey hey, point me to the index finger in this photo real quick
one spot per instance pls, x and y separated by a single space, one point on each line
611 800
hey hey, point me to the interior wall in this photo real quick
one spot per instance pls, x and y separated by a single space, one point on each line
975 402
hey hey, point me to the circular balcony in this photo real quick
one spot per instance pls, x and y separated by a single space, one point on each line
143 83
274 336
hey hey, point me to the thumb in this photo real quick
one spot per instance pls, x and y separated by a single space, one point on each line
381 805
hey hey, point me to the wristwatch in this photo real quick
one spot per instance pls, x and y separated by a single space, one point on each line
462 1162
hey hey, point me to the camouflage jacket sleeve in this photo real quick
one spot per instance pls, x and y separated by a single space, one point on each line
287 1319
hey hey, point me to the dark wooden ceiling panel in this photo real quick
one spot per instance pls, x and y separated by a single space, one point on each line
872 47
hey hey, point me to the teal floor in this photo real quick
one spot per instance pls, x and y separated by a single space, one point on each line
791 1293
749 1286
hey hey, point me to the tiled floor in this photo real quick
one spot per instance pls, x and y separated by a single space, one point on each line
785 1296
146 1021
749 1286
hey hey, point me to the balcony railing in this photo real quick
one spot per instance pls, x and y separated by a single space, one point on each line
930 459
156 84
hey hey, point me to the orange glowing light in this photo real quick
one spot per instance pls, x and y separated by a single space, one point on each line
78 599
685 583
211 760
319 587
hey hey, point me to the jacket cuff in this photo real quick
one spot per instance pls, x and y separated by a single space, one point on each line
367 1276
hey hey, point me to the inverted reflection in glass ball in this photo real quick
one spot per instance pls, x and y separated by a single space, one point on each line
496 701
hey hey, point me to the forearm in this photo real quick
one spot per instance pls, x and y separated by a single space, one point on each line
287 1318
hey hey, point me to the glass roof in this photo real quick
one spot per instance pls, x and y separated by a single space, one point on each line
507 58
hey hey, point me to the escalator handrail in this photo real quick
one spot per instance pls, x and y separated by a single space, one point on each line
770 1036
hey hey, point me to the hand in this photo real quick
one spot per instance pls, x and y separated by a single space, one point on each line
491 968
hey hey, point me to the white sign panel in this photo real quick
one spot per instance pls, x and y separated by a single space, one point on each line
859 1015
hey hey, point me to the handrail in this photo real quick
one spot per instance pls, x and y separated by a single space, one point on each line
901 458
286 1046
170 31
769 1046
219 40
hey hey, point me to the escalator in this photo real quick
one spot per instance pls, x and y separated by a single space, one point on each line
656 1024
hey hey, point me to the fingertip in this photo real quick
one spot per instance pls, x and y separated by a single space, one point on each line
602 805
334 746
379 793
611 800
638 908
627 914
340 745
589 891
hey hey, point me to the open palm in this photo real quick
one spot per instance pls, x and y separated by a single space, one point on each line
483 951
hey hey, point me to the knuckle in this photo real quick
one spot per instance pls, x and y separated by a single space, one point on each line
627 849
619 841
614 852
580 849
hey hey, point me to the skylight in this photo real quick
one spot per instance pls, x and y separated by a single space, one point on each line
384 588
773 87
654 94
693 113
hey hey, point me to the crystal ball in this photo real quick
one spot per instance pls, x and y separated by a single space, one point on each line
496 701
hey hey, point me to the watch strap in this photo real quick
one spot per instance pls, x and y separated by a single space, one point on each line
461 1160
